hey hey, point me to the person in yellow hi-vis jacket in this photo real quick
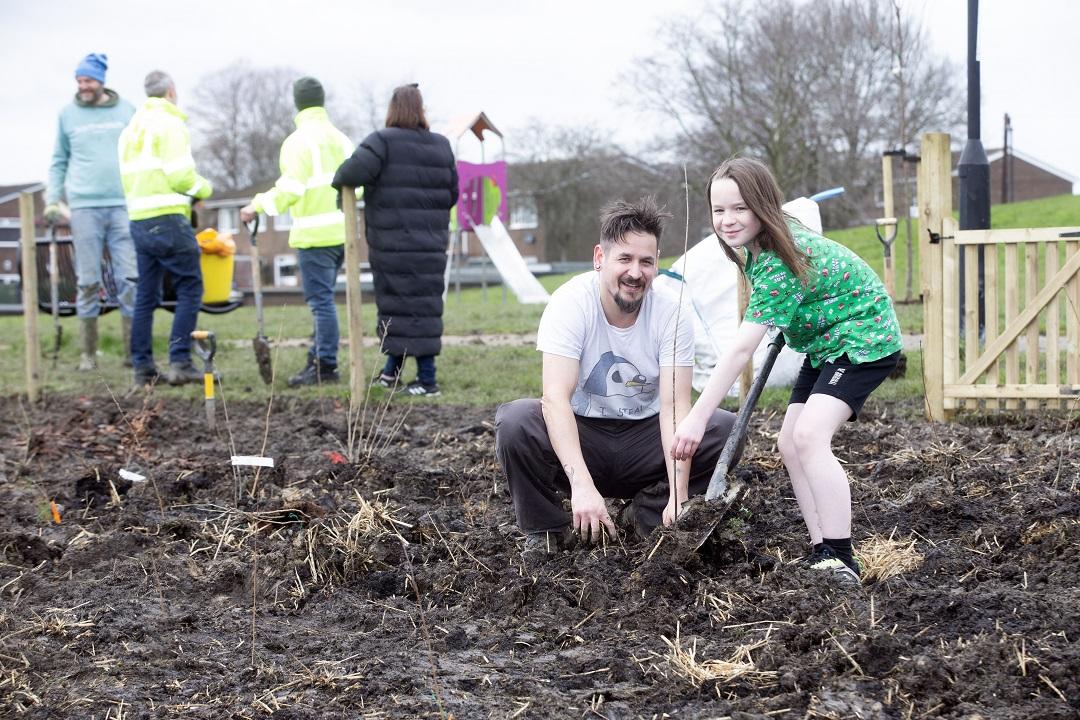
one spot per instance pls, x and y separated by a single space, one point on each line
160 185
309 157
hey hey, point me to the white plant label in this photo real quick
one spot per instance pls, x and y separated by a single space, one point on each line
253 460
131 476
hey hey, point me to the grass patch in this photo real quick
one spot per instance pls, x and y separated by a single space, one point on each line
472 373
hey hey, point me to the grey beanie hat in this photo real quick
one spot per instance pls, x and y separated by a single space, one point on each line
308 92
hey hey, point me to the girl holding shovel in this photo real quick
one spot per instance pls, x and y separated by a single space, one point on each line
830 305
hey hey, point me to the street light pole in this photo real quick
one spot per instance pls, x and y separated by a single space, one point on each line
974 168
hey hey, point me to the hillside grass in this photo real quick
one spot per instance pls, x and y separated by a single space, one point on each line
472 373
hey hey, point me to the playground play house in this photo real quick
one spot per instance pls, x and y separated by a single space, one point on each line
482 211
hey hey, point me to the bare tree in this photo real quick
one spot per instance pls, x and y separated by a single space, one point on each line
920 93
572 173
244 115
807 87
246 112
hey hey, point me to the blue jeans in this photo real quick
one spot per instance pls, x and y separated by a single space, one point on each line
319 268
165 244
94 230
425 367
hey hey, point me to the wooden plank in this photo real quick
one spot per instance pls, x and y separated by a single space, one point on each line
1053 323
1013 329
990 291
950 308
935 204
971 310
1020 391
353 305
1072 319
1013 235
1012 309
28 245
1031 283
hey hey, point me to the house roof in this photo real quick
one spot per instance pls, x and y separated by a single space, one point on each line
476 123
994 154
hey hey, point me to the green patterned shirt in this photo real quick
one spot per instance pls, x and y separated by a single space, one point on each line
841 309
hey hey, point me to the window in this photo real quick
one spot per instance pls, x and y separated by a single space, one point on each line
286 271
283 221
228 219
523 215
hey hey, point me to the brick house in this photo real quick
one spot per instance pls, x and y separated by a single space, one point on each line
1031 179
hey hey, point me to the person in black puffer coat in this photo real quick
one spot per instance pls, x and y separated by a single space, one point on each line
410 184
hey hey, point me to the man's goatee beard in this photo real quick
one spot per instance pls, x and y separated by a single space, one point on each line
628 306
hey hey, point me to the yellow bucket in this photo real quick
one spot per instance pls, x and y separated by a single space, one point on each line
217 275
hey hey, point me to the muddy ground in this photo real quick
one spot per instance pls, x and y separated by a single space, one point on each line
393 587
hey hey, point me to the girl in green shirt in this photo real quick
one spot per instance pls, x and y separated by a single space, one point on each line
831 306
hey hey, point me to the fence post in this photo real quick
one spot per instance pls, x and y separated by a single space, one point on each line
935 204
353 304
30 296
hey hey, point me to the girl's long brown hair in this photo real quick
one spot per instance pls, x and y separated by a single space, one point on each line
762 195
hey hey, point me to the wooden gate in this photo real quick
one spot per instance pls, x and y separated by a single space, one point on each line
1006 350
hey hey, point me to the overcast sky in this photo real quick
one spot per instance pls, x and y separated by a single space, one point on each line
558 61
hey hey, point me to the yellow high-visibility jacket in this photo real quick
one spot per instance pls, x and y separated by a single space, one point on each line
156 167
309 158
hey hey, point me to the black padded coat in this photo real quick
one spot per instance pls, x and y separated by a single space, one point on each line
410 183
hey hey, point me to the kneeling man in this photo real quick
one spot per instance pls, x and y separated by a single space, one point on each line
617 365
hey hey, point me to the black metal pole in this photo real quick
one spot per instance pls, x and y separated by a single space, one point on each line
974 168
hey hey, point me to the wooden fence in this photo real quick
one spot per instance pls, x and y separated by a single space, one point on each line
1004 351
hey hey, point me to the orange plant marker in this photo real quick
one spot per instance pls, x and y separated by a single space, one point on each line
55 512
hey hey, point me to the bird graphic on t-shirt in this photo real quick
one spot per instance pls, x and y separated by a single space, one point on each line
615 375
612 375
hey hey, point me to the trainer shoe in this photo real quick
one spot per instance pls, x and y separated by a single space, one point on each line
385 381
419 389
181 373
826 561
548 542
810 557
626 520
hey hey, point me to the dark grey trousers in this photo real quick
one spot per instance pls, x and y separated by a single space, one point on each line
624 457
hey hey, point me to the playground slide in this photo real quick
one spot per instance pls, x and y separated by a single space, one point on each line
508 261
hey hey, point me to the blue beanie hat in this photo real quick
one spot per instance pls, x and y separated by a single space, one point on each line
93 66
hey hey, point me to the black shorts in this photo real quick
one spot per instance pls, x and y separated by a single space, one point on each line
843 379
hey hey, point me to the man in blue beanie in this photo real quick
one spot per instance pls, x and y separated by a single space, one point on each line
85 171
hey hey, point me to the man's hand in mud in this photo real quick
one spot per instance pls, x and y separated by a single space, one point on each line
590 513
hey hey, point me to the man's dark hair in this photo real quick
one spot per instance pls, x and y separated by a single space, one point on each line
619 218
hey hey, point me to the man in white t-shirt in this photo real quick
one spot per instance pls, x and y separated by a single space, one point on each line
618 361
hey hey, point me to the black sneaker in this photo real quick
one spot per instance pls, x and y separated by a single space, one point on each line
626 520
182 373
315 374
146 376
419 389
826 561
811 557
549 542
385 381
